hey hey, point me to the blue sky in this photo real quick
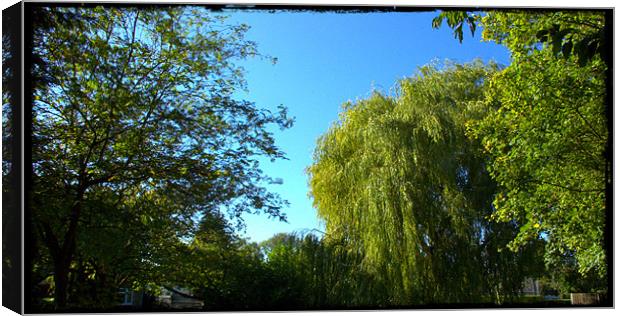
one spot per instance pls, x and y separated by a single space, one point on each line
324 60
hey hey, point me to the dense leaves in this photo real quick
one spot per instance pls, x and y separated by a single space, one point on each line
547 137
136 132
400 181
311 272
576 34
580 34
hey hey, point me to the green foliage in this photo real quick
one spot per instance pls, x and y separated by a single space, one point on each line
308 272
567 34
547 137
579 34
566 278
399 181
150 98
135 131
222 269
456 20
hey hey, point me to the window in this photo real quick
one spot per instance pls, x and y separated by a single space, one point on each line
125 296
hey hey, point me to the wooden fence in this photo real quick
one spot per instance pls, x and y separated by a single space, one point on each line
585 298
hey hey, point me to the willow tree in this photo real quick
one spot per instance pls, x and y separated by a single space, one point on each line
138 103
399 180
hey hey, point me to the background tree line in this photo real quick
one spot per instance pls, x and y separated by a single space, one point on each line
467 180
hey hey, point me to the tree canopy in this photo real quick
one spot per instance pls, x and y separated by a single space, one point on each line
400 181
547 136
137 124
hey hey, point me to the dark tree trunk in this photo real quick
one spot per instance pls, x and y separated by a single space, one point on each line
63 256
61 279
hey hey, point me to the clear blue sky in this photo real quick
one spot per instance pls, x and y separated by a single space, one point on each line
324 60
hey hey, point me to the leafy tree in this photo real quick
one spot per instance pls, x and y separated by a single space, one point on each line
548 138
285 262
216 265
456 20
139 247
398 179
580 34
305 271
139 109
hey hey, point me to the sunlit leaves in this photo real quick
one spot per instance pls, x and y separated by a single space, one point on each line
398 179
136 84
141 106
548 137
577 34
456 20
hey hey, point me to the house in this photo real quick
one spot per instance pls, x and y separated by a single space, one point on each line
170 298
129 298
178 298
